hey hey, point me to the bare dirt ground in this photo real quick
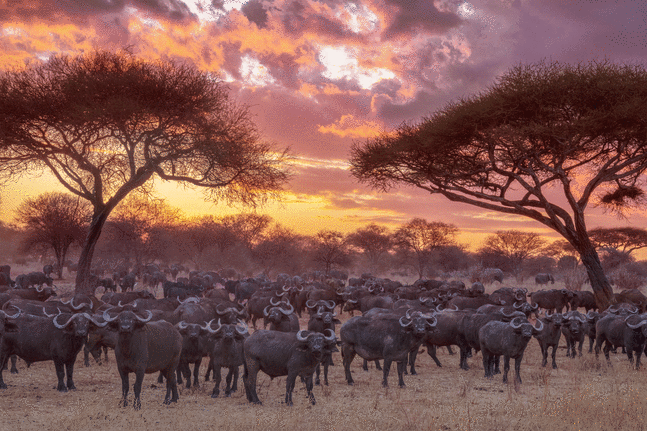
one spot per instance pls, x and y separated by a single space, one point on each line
584 393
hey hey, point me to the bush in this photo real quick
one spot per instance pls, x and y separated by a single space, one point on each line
575 279
624 278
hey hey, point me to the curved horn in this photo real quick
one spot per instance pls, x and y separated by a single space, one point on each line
51 315
331 337
107 317
286 312
242 330
331 304
300 337
427 317
182 325
79 306
590 315
63 302
59 326
516 306
353 301
213 331
541 326
265 311
39 290
579 317
147 319
403 324
516 326
93 320
273 303
310 303
15 315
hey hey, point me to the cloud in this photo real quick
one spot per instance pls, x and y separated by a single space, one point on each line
349 126
413 16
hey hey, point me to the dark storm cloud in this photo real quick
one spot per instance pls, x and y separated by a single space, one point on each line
413 16
255 12
80 11
298 17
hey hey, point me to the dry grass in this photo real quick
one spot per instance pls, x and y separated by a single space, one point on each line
583 393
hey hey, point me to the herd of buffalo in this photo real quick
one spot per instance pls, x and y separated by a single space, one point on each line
206 315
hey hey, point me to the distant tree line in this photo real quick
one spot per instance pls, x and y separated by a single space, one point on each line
141 230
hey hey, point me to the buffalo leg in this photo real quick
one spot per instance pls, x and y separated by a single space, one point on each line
124 387
232 381
463 359
60 374
348 354
497 361
554 354
309 387
196 371
431 351
69 370
487 363
385 373
506 368
326 364
137 388
171 388
544 354
249 380
217 377
160 378
210 371
3 362
317 374
517 368
289 386
14 369
402 367
365 365
412 361
377 365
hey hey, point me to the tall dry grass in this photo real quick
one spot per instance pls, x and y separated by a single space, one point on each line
584 393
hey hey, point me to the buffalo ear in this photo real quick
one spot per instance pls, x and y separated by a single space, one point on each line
332 348
302 347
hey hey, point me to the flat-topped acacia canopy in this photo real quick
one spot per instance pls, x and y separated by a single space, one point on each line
545 141
106 123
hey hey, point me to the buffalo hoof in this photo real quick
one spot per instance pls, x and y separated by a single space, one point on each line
215 394
14 371
554 366
414 373
71 387
61 388
317 382
138 404
402 386
3 385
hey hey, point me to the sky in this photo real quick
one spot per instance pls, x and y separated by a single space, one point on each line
322 74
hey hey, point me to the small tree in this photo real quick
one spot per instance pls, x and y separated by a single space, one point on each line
374 242
579 131
623 239
54 221
515 246
105 124
330 249
420 237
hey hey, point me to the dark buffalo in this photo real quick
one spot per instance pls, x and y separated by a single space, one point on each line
34 279
384 337
549 336
583 299
281 319
34 293
574 330
145 347
544 278
508 340
194 348
320 321
554 300
628 331
284 354
227 352
35 339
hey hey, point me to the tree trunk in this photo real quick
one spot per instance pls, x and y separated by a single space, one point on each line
83 282
599 283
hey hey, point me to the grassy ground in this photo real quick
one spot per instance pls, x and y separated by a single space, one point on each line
583 393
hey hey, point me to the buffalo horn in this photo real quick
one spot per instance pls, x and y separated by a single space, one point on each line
331 304
59 326
300 337
241 328
51 315
265 311
147 319
107 317
273 303
641 323
182 325
93 320
39 290
541 326
287 312
514 325
331 337
15 315
311 303
403 324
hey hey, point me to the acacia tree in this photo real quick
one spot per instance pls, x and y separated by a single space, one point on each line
514 245
105 124
420 237
374 241
623 239
546 141
330 248
54 221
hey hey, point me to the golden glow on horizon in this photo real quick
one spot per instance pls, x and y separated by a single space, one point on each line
350 127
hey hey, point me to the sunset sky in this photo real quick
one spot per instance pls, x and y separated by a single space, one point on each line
321 74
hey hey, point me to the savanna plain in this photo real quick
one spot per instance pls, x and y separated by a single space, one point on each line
583 393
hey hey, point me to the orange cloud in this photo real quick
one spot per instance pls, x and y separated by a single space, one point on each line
349 126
